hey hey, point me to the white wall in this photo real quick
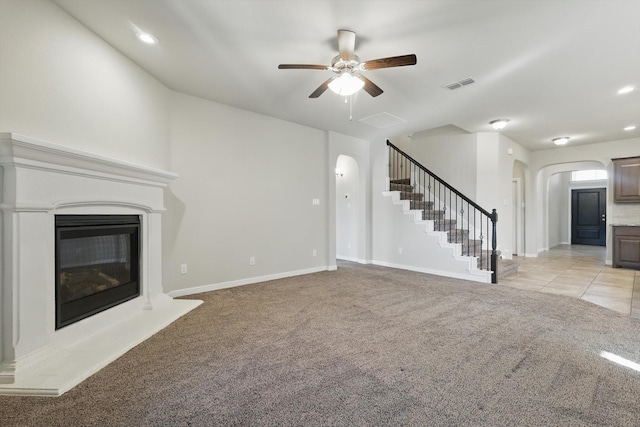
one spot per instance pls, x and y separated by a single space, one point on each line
245 190
451 157
61 83
520 175
556 186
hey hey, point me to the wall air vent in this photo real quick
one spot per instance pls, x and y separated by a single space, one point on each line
460 83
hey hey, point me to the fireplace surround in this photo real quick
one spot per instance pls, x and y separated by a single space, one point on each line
41 184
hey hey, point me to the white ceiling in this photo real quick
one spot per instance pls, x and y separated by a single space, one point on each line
552 67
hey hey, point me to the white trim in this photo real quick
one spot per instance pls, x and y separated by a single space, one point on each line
352 259
32 153
471 277
247 281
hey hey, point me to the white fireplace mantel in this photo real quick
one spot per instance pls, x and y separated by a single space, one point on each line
40 180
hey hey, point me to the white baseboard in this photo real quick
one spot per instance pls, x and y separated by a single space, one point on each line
476 278
352 259
247 281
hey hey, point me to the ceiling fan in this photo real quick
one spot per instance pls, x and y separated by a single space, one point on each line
347 67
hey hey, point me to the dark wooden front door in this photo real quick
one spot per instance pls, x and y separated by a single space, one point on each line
588 217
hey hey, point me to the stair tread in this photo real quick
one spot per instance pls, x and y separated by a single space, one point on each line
407 195
400 187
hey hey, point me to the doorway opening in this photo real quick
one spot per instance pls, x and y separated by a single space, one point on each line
349 210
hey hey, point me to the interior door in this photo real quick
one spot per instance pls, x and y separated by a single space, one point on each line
588 217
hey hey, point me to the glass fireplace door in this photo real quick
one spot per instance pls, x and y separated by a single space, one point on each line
97 264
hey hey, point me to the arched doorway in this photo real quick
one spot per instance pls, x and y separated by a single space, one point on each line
349 210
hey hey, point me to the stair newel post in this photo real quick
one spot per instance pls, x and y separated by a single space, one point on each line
394 163
494 245
389 151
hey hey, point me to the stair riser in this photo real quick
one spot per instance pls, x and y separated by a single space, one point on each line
444 225
400 187
458 236
405 181
432 215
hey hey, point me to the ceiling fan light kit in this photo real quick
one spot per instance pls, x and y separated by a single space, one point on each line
347 84
348 68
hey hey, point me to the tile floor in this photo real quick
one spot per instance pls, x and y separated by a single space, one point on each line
579 271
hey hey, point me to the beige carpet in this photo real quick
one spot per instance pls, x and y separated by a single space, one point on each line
365 345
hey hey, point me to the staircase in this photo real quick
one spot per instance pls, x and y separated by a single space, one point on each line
468 227
470 247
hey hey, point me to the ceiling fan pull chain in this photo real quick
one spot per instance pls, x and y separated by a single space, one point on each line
350 107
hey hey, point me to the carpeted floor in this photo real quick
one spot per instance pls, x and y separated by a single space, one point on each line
365 345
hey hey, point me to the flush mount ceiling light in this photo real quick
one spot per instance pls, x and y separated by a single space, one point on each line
561 140
630 128
625 89
146 37
347 84
499 123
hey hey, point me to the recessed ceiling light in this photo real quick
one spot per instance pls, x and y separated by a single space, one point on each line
147 38
626 89
499 123
561 140
630 128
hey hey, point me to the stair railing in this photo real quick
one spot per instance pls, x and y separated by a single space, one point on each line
450 210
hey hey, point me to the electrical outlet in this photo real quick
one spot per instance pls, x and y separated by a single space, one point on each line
315 202
315 253
183 268
252 260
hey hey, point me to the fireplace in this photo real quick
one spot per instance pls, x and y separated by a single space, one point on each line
97 264
81 280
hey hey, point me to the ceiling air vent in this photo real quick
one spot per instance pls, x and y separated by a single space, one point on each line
460 83
382 120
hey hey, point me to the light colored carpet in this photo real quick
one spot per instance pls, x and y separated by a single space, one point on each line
365 345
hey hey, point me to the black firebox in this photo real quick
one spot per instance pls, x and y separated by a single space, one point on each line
97 264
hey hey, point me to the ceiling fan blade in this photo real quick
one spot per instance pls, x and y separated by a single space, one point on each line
346 44
324 86
370 87
302 67
394 61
